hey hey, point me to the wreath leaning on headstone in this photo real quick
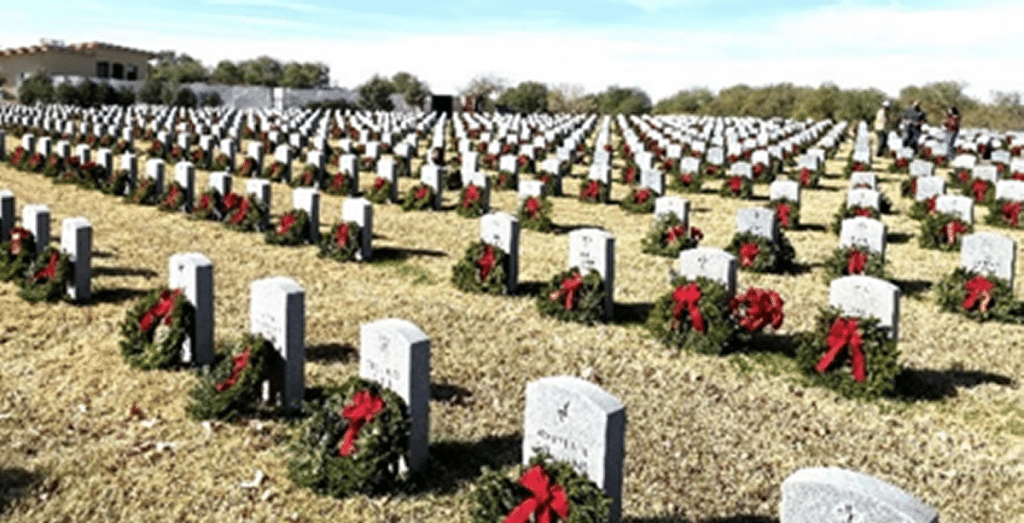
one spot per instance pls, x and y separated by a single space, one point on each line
244 213
1005 213
594 191
978 297
209 206
786 212
380 191
543 490
342 242
173 198
47 276
855 260
737 187
943 232
16 254
233 386
420 197
292 229
693 316
853 356
757 254
921 209
471 202
639 201
114 183
535 214
352 442
668 237
852 211
144 193
572 296
690 182
481 269
155 329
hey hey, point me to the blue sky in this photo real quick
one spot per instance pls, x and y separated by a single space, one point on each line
659 45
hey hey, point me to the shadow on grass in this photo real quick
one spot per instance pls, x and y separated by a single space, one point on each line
123 271
681 519
530 288
392 254
14 483
450 394
797 268
898 237
932 385
816 227
116 295
566 229
632 313
913 288
331 353
453 463
103 254
825 188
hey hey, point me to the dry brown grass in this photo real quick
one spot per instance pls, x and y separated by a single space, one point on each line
708 437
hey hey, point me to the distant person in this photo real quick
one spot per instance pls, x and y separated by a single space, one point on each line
952 125
882 123
913 120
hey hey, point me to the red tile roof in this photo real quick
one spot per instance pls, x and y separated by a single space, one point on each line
82 48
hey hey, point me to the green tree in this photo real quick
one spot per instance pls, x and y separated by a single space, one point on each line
151 91
688 101
181 68
305 75
413 90
36 88
570 98
527 97
623 100
226 72
376 93
481 88
262 71
125 96
66 94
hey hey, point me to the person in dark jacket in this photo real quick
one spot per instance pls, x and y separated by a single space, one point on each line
913 120
952 126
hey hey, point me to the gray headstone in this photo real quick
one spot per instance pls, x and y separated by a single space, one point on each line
863 180
579 423
787 190
431 175
308 199
863 232
673 205
283 154
867 297
989 253
396 354
360 210
502 230
928 186
864 198
1012 190
255 151
711 263
193 273
954 205
833 495
595 249
277 311
76 240
759 221
36 219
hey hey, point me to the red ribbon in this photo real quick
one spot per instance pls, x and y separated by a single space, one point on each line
758 170
160 310
783 211
592 190
963 176
50 271
361 410
532 206
845 333
687 179
204 203
568 289
805 177
341 236
674 233
687 296
421 192
379 183
856 261
929 204
241 212
630 175
1011 212
486 262
642 196
18 237
763 308
736 184
232 200
952 229
471 196
979 188
862 211
748 253
239 363
545 501
172 195
979 292
287 222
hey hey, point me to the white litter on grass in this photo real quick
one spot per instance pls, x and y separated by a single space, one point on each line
256 481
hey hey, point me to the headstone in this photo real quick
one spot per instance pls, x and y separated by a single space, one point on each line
386 169
76 240
6 215
787 190
985 172
954 205
44 146
759 221
920 168
3 145
673 205
528 188
864 198
360 210
595 249
1012 190
825 495
654 180
509 163
579 423
431 176
155 172
601 173
863 232
185 175
689 165
193 273
502 231
708 262
741 168
867 297
83 153
863 180
261 190
28 143
308 199
277 311
283 154
396 354
220 181
255 151
928 186
989 253
36 219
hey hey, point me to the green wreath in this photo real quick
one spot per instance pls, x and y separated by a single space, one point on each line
209 206
679 331
995 303
639 201
959 178
839 263
852 167
233 387
1005 213
787 213
505 180
54 166
737 187
594 191
114 183
548 180
221 162
419 197
16 254
983 192
35 163
155 329
939 228
352 442
275 171
342 243
908 187
571 296
244 213
535 214
481 269
880 358
668 237
173 198
809 178
687 182
471 202
921 209
307 177
497 494
291 229
846 211
768 257
248 167
46 276
144 193
380 191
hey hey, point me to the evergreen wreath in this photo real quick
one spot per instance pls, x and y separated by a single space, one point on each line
309 177
338 184
16 254
668 237
548 179
571 296
291 229
352 441
687 182
275 171
737 187
72 175
639 201
233 386
367 164
513 495
173 198
921 209
757 254
35 163
155 329
959 178
629 174
868 373
144 193
754 311
1005 213
46 276
852 167
209 206
505 180
115 183
711 170
342 243
978 296
943 232
594 191
787 213
808 178
982 191
221 162
846 211
908 187
54 166
419 197
535 214
471 202
244 213
481 269
694 316
854 260
526 164
380 191
248 168
900 165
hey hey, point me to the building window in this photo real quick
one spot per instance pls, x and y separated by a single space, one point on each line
133 73
103 69
117 71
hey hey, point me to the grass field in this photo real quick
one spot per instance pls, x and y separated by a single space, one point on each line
708 438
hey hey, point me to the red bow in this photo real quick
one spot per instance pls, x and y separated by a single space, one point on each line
50 271
172 195
862 211
532 206
287 222
630 175
379 183
856 261
205 202
758 170
341 235
674 233
18 237
239 363
963 176
545 501
929 204
1018 175
592 190
687 179
361 410
748 253
979 292
688 296
160 310
568 289
232 200
782 211
642 196
1011 212
844 333
421 192
471 196
736 184
952 229
979 188
763 308
805 177
486 262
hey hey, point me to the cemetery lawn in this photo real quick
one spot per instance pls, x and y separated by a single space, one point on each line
87 438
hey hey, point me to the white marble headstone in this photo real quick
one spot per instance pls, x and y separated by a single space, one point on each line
709 262
277 311
833 495
502 231
989 253
863 232
193 273
954 205
594 249
867 297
